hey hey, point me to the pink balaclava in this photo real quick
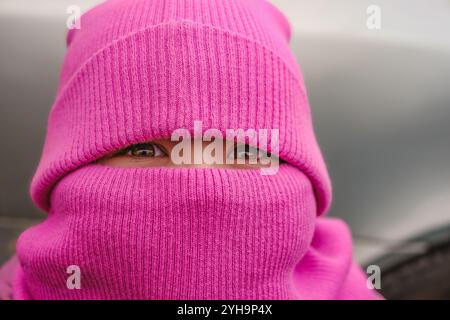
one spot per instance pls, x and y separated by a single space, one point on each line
136 71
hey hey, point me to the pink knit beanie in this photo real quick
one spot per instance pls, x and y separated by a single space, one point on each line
150 67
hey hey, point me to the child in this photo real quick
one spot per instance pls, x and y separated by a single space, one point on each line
127 221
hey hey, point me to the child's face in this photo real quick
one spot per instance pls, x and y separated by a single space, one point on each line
161 153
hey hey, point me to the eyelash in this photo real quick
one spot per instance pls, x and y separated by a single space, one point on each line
158 150
245 149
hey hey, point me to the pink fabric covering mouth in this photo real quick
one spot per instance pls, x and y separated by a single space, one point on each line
187 233
165 233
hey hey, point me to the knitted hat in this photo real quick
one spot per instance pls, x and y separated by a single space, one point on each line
138 70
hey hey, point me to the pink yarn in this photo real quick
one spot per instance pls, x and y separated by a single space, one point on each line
164 233
136 71
187 233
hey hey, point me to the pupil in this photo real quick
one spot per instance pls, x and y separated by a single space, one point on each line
143 151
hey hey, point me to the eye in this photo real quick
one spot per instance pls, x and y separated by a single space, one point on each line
243 151
145 150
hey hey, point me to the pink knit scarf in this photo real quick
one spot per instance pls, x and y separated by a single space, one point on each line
185 233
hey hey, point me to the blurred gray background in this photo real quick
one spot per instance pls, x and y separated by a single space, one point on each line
380 101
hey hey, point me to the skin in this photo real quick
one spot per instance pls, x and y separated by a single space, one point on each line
157 153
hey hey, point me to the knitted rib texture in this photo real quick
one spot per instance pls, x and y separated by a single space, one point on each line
165 233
